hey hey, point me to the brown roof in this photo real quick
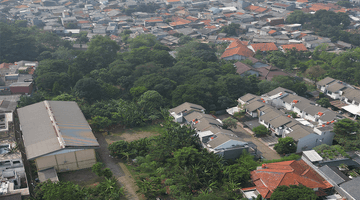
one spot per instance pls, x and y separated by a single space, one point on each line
242 68
264 46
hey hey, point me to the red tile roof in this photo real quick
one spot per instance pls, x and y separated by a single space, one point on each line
272 31
237 43
5 65
281 4
319 6
210 27
302 1
154 20
206 22
286 173
264 46
172 1
228 39
298 47
239 50
192 18
83 22
179 21
256 9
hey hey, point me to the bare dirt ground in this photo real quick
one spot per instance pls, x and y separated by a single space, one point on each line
117 166
84 177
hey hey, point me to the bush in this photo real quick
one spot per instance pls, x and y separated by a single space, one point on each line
107 173
118 147
286 158
97 168
260 130
285 146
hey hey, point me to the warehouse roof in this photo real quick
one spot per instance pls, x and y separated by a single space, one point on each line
50 126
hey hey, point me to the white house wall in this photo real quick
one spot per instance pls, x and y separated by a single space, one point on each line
310 141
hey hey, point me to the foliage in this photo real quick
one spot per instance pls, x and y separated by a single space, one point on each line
324 102
229 123
330 152
291 192
285 146
260 130
97 168
285 158
347 134
173 165
230 30
314 73
293 114
346 126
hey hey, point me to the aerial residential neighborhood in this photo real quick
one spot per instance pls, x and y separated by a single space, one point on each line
180 99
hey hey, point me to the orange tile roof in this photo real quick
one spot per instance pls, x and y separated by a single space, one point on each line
179 21
286 173
5 65
252 8
272 31
302 1
68 3
172 1
206 22
298 47
228 39
264 46
302 35
240 50
22 6
319 6
229 14
192 18
239 13
210 27
343 10
261 9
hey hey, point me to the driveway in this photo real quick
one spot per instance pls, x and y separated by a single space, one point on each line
267 152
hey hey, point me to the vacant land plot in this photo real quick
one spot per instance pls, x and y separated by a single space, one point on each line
132 134
84 177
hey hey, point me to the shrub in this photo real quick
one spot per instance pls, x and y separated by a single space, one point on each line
96 168
107 173
260 130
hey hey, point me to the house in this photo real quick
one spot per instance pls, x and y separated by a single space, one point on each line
351 96
335 90
244 69
269 176
57 136
184 109
252 107
324 83
228 146
263 47
238 52
21 88
275 21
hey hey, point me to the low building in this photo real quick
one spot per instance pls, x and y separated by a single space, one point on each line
57 136
184 109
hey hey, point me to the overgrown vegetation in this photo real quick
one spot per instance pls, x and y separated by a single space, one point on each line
285 145
174 165
331 152
347 134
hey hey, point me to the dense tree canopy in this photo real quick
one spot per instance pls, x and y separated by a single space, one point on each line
285 145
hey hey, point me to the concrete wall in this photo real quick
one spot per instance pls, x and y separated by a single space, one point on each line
67 161
310 141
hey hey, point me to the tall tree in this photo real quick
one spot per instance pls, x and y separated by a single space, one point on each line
314 73
292 192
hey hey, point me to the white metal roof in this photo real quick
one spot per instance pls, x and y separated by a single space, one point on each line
312 155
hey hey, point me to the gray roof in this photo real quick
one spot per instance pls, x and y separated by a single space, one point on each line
299 132
205 123
278 90
328 115
186 107
270 116
334 87
280 121
352 187
197 115
50 126
8 103
312 155
303 103
313 110
222 138
254 106
326 81
247 97
351 93
289 98
334 174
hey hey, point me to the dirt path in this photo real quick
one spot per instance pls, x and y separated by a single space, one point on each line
116 169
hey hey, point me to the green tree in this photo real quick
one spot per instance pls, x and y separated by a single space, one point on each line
260 130
97 123
186 156
285 146
346 126
314 73
151 100
88 88
97 168
229 123
324 102
230 30
291 192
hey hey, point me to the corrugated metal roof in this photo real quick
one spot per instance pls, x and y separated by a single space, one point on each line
45 132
